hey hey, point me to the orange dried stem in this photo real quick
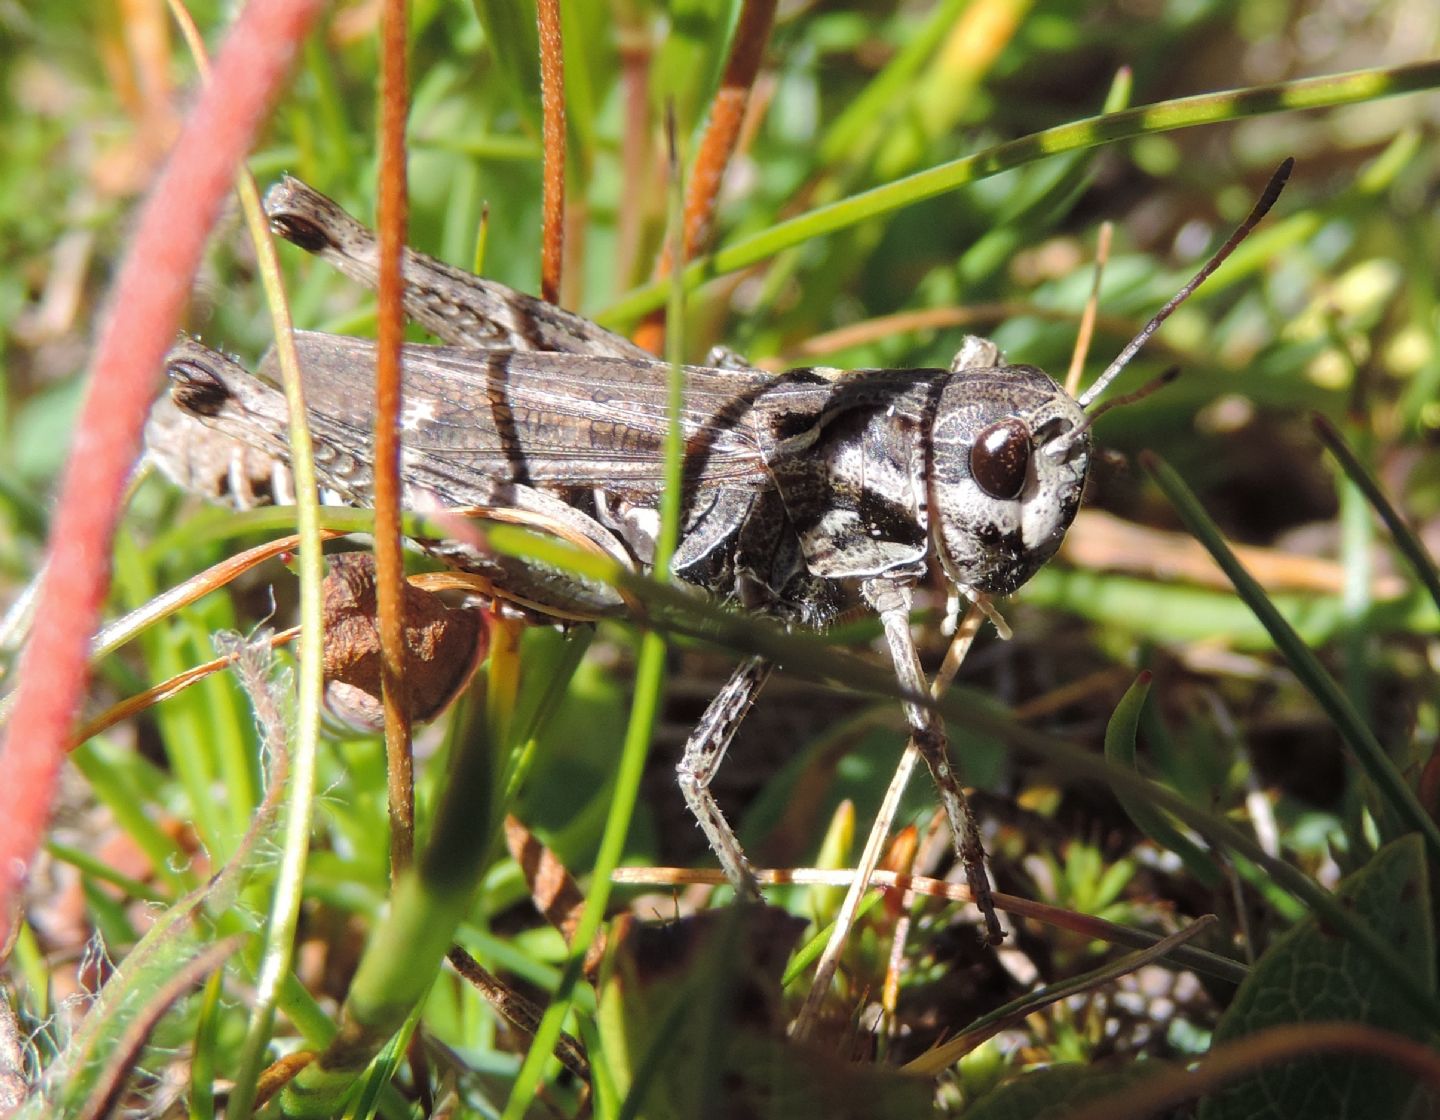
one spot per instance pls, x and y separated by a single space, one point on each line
717 146
1092 308
389 554
727 116
552 106
280 1073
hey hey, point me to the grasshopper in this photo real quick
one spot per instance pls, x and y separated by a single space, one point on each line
797 487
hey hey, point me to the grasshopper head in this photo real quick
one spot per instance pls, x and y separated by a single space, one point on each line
1010 450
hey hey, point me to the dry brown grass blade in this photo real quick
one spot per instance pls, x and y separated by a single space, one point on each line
930 319
552 888
196 587
122 630
117 633
935 1062
1099 541
1092 309
805 1022
517 1010
134 705
1234 1060
1103 682
901 860
1084 925
419 625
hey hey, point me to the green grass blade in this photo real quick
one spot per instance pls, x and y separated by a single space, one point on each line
1406 540
1185 112
649 684
515 45
1120 736
649 675
1302 660
677 612
405 952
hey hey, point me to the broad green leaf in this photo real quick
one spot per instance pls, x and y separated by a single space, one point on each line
1049 1094
1311 975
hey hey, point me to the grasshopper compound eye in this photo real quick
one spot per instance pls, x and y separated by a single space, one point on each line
1002 508
1000 459
196 389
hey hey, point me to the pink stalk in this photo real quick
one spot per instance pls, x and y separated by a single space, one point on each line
144 313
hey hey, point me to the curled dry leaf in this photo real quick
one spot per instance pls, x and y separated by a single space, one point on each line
444 644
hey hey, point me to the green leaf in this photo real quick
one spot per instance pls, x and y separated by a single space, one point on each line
689 63
1049 1094
515 47
1120 751
1311 975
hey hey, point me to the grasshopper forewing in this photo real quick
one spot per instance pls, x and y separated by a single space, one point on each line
797 487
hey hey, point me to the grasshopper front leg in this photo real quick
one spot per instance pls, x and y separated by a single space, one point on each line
891 600
704 751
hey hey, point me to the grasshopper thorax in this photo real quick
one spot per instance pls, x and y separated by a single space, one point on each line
1006 474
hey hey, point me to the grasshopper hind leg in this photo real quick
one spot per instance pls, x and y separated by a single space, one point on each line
704 751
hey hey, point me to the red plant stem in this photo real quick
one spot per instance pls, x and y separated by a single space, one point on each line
150 292
552 103
389 556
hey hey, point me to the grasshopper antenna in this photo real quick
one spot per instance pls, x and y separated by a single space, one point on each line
1060 446
1261 208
